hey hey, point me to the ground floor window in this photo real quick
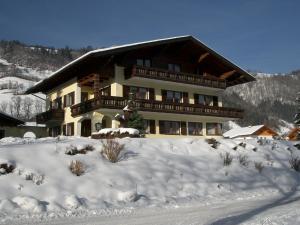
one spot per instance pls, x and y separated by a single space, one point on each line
149 126
214 129
195 128
54 131
169 127
68 129
2 134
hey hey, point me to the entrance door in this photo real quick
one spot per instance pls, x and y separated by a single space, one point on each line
86 128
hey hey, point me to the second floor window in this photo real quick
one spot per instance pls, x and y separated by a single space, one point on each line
206 100
174 67
69 99
139 92
143 62
174 96
56 104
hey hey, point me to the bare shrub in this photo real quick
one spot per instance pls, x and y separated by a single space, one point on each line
259 166
243 160
212 142
77 167
227 159
111 150
88 148
295 163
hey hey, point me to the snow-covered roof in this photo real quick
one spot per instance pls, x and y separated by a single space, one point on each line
242 131
121 48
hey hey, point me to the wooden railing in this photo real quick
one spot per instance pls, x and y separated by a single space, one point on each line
179 77
50 115
111 102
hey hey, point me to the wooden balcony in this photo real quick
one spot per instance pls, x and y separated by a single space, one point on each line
110 102
178 77
52 115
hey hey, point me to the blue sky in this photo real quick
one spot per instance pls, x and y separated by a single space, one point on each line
260 35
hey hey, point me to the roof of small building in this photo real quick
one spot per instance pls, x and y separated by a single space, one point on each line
38 87
6 119
242 131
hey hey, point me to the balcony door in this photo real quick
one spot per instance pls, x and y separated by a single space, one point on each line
86 128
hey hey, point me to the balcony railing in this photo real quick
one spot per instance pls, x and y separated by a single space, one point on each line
52 115
111 102
179 77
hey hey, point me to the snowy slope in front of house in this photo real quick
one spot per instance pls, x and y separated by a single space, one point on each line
152 172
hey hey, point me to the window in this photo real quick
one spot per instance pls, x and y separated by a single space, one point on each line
143 62
69 99
56 104
68 129
195 128
105 91
214 129
174 67
139 92
84 96
169 127
54 131
174 96
149 126
2 134
206 100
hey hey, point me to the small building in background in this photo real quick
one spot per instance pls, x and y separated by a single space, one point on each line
13 127
250 132
294 134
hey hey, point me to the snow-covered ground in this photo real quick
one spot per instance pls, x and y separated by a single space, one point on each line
168 181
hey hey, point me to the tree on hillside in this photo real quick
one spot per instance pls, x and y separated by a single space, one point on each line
297 116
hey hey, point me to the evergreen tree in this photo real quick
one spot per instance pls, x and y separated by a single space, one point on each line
136 121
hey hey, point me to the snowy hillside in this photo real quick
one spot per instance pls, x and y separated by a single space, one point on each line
150 173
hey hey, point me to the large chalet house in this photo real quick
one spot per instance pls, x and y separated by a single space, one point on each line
177 83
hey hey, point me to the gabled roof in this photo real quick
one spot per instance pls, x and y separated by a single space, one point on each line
242 131
38 87
6 119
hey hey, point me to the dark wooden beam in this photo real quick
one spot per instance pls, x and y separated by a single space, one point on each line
227 74
202 57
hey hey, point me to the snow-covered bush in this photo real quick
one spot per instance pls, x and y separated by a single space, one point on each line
243 160
77 167
227 159
259 166
212 142
73 150
111 150
6 167
295 163
35 177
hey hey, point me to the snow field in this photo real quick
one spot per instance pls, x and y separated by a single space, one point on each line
155 172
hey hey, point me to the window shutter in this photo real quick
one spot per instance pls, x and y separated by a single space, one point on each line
215 100
164 95
72 98
185 97
65 101
72 129
152 126
161 127
183 127
126 90
151 94
196 98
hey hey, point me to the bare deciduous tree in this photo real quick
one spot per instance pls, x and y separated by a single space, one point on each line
27 107
16 101
3 106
